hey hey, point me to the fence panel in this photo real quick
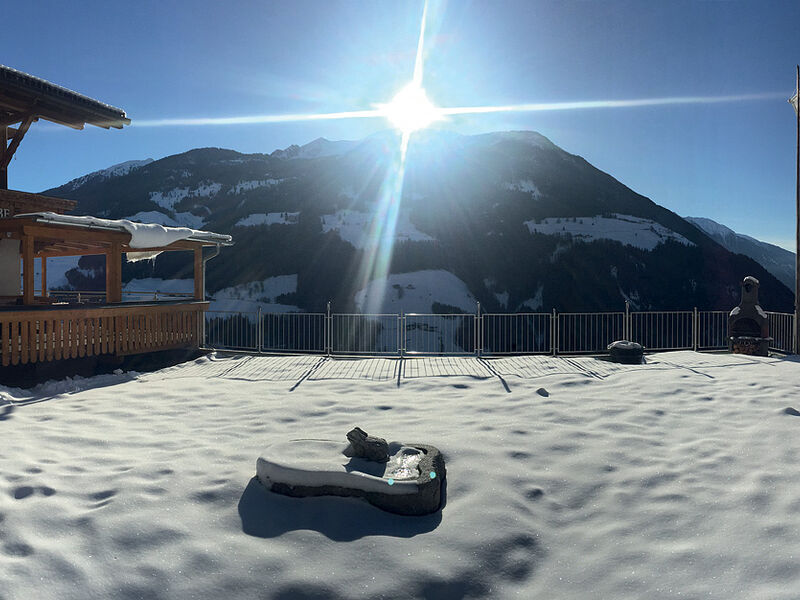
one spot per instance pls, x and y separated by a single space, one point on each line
663 330
466 334
580 333
712 332
365 334
229 330
451 334
781 328
293 332
517 333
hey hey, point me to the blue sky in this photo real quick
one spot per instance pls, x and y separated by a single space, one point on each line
733 162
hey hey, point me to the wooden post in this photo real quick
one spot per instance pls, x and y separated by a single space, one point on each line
44 277
114 273
199 283
27 269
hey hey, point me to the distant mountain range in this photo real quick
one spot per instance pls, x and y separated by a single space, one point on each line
507 219
776 260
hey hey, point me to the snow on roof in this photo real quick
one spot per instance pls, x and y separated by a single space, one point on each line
143 235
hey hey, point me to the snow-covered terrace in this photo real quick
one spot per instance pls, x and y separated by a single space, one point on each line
566 478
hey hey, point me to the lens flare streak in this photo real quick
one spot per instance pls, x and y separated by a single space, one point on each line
379 250
379 113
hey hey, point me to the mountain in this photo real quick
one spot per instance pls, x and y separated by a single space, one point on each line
507 219
776 260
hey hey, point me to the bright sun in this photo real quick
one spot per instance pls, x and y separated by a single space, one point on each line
410 109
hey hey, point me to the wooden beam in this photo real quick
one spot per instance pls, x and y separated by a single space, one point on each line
74 234
55 252
43 247
12 147
14 117
114 273
199 283
27 270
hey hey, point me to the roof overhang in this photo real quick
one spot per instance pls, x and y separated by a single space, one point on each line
68 235
23 95
13 203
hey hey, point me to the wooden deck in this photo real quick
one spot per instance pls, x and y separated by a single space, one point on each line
56 333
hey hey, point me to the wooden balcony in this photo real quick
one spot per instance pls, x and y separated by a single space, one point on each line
48 333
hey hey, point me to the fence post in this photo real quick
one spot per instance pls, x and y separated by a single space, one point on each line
626 328
259 332
328 329
401 332
554 332
478 342
695 330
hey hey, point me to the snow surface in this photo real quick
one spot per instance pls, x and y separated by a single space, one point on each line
246 186
626 229
249 297
355 227
524 185
580 479
712 227
113 171
536 303
532 138
182 219
415 292
143 235
323 462
275 218
170 198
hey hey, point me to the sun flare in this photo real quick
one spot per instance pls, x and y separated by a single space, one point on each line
410 110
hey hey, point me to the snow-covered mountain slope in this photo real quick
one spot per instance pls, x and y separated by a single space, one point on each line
318 148
776 260
251 296
363 230
113 171
626 229
256 219
415 292
483 207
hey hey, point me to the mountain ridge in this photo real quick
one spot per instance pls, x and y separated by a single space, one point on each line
509 214
778 261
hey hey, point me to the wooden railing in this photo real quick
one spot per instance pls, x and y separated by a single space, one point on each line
30 336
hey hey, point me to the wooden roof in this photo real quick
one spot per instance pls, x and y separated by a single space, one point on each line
24 202
22 95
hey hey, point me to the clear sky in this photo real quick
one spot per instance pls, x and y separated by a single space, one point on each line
733 162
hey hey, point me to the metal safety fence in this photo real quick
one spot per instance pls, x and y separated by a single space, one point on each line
478 334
